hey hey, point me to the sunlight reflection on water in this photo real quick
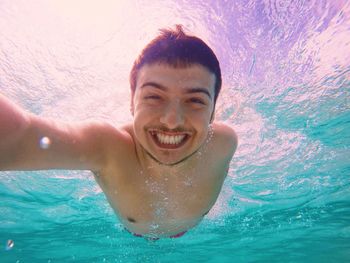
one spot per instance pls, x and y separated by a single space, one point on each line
286 91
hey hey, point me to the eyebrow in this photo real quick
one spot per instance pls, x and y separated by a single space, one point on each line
188 90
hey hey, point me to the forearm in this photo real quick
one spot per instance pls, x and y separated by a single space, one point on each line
13 122
13 119
70 146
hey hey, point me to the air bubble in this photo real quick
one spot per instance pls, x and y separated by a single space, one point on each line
45 143
9 244
188 182
154 226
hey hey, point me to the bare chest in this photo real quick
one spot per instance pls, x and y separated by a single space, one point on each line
170 200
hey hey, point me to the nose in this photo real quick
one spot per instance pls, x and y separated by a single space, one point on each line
172 115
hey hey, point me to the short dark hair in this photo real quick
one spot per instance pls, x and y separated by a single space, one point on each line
177 49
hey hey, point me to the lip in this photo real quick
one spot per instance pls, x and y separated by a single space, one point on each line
153 134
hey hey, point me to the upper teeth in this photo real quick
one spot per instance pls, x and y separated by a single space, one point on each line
170 139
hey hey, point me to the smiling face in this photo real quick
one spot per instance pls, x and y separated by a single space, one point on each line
172 110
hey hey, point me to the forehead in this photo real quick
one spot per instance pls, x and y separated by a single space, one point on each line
193 76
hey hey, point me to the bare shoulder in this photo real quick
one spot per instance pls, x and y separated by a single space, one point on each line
226 138
106 129
108 134
115 143
106 137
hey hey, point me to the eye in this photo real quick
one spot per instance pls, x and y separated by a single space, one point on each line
197 101
152 97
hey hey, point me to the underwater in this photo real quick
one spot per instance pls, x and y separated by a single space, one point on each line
286 92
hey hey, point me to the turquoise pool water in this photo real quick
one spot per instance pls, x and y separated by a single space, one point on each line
286 71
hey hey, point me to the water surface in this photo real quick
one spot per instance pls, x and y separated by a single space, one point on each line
286 91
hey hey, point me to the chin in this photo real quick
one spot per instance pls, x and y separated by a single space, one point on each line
168 160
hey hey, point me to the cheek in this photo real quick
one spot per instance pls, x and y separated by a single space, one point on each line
201 118
144 112
201 125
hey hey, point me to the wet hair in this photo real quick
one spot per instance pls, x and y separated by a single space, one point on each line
179 50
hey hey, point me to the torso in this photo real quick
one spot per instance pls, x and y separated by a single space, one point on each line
162 201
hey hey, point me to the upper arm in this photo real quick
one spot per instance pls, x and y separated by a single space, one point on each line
78 146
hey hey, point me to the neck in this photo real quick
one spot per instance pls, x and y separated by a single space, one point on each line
156 168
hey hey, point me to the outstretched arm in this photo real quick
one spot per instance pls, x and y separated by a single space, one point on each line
29 142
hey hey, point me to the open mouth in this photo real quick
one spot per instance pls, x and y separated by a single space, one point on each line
169 140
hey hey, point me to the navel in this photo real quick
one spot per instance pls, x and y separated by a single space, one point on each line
130 219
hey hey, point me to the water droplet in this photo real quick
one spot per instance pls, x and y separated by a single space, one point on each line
188 183
45 143
9 244
154 226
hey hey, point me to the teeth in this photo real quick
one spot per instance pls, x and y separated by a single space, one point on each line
170 139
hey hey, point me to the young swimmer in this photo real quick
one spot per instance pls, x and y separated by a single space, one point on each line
162 173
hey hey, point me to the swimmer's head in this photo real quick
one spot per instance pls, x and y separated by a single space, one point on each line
175 83
179 50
